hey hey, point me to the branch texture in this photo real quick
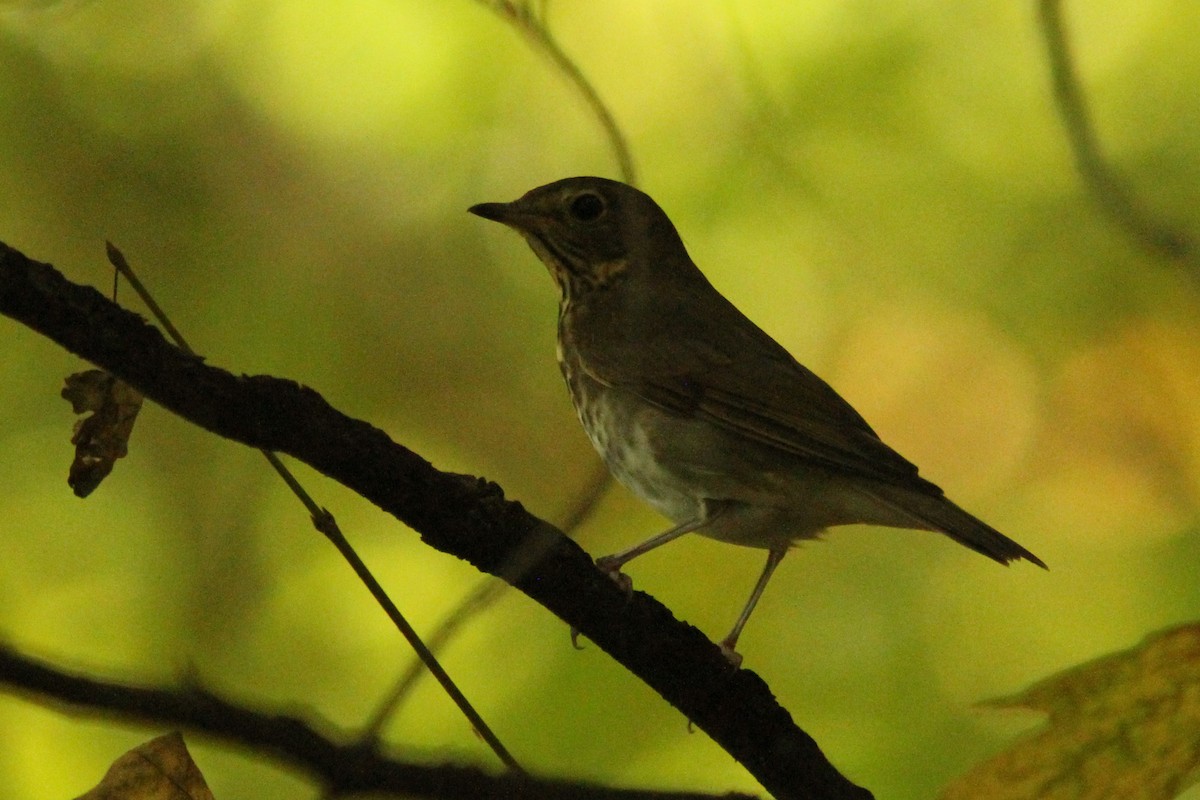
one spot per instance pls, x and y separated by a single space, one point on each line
462 515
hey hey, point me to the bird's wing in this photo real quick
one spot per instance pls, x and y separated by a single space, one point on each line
747 384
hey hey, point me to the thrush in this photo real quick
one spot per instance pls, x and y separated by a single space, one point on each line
698 411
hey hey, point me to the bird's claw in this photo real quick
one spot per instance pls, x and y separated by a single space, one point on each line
612 568
731 655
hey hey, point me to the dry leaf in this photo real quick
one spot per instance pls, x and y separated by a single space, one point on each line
103 437
1123 727
160 769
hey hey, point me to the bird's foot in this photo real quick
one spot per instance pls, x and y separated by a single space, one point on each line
731 655
612 568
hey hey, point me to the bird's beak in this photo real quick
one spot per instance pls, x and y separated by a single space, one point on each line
497 212
514 215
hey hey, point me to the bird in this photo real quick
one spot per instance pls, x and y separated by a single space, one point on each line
696 409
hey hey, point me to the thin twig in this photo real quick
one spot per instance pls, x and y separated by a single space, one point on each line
485 594
522 17
117 259
324 522
1112 194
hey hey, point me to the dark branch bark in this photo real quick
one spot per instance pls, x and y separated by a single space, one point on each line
464 516
342 766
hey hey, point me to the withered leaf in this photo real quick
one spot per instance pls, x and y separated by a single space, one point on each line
103 437
160 769
1126 726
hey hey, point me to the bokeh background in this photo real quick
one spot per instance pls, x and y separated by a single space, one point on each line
885 187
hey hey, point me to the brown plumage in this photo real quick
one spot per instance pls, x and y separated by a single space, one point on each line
695 408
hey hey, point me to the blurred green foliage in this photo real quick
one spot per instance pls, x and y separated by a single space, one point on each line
886 188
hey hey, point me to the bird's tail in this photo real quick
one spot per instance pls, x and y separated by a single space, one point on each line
936 513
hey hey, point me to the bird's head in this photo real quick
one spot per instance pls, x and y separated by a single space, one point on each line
591 232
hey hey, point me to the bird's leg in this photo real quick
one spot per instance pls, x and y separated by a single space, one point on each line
729 643
612 564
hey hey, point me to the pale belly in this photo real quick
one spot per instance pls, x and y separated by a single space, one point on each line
624 441
685 468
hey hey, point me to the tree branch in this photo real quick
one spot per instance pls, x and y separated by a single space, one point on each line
343 767
457 514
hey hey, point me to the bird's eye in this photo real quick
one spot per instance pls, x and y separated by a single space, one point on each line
587 207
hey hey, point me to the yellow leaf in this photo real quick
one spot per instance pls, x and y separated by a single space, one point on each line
160 769
1123 727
